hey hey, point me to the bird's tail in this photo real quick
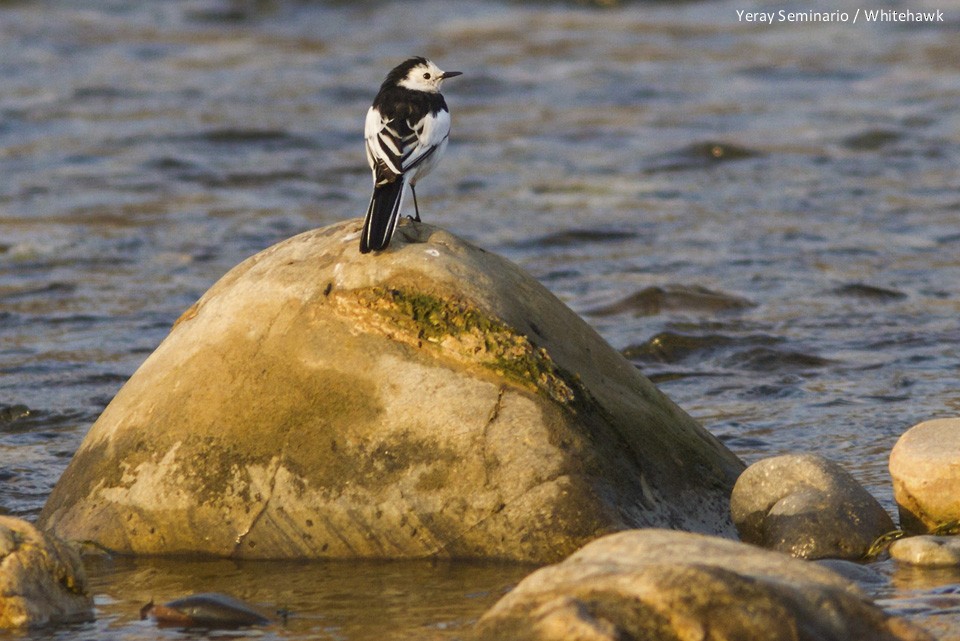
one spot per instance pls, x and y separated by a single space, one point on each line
382 215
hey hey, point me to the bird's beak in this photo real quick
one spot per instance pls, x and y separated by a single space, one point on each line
450 74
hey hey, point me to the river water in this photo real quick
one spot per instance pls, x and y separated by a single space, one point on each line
763 217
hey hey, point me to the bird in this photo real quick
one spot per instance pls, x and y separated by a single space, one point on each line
406 132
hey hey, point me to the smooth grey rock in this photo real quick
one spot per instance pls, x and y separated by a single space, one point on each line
42 580
657 585
929 551
806 506
430 400
925 467
857 572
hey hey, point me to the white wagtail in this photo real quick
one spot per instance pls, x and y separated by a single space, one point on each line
406 131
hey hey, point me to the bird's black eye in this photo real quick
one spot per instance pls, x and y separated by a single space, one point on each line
426 76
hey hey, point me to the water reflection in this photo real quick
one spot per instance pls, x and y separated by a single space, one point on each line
335 600
930 596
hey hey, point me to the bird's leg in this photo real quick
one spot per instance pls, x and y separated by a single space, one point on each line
416 207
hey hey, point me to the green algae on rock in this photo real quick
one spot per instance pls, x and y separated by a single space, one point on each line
433 400
465 331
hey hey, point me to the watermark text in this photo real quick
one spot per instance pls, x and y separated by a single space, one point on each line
865 15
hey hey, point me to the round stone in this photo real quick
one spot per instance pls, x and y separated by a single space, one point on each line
930 551
925 468
807 506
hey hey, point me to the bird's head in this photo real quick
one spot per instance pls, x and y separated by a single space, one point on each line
420 74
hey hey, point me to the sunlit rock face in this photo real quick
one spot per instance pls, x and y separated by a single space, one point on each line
658 585
925 468
430 400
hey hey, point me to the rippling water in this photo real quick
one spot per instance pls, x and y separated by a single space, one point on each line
764 218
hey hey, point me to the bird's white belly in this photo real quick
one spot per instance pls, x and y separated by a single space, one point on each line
427 165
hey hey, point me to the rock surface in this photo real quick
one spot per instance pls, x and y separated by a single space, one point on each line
929 551
925 467
807 506
432 400
657 585
42 580
208 610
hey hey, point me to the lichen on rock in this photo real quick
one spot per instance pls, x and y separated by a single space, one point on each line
468 335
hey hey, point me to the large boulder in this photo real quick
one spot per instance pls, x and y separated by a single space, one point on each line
807 506
925 467
656 585
431 400
42 581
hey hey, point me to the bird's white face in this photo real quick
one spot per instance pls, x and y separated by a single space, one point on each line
424 77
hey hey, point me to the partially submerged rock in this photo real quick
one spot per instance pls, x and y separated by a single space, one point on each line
42 581
807 506
209 610
925 467
928 551
655 300
656 585
432 400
